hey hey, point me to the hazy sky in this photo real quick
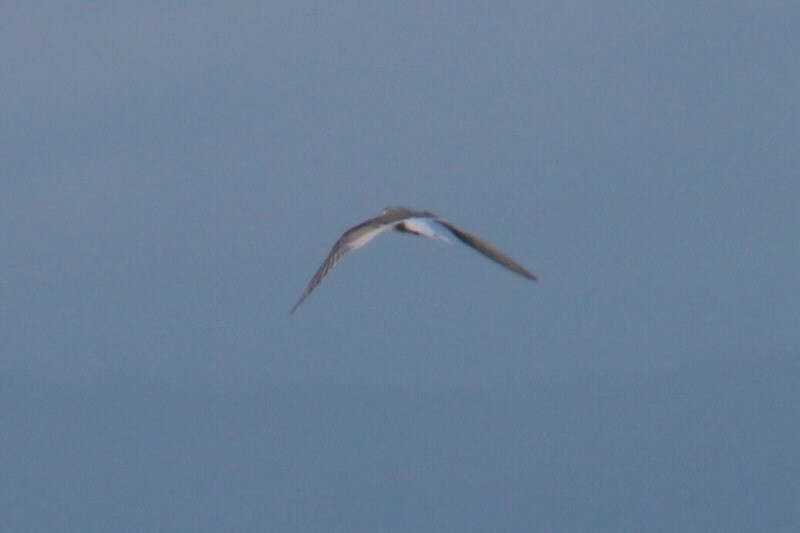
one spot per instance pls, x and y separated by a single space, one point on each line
173 174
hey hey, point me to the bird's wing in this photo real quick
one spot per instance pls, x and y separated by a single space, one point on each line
352 239
399 218
486 249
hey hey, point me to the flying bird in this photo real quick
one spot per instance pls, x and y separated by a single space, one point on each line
404 220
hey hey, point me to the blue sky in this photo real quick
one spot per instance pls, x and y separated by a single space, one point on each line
172 175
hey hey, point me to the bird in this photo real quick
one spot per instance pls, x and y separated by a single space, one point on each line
404 220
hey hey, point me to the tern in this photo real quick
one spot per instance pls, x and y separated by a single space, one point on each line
404 220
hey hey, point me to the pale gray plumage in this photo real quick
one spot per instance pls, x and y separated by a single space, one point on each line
397 219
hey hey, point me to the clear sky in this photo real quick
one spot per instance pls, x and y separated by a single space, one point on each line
171 175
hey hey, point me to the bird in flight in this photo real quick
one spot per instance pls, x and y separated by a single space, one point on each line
404 220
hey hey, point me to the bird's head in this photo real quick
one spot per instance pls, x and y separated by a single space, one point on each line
396 210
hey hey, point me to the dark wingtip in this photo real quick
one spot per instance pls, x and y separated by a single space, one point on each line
295 306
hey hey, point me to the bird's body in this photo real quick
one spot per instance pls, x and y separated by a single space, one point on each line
405 220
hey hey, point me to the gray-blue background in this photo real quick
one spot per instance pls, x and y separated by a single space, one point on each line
173 173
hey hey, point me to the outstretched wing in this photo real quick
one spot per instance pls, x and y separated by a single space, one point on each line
354 238
486 249
336 253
